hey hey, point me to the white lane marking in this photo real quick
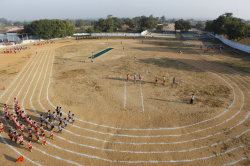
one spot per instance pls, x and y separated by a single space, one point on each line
17 76
33 80
37 84
8 123
244 158
26 158
59 158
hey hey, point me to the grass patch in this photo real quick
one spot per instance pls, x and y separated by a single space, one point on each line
72 74
28 54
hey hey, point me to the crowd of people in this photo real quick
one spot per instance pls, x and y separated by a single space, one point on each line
50 119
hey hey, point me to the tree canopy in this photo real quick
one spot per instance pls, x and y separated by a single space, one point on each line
79 23
148 22
50 28
108 25
234 28
182 25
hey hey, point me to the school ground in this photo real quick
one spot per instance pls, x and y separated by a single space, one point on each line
120 122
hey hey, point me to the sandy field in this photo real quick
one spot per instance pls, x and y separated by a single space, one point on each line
120 122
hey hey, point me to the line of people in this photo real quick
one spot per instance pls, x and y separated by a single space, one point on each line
50 119
156 79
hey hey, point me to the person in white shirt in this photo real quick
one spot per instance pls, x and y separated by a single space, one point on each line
192 99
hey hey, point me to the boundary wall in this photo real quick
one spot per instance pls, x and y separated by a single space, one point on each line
237 46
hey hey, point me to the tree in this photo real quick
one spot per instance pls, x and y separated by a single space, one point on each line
80 23
110 26
157 19
163 19
148 22
17 23
72 22
159 27
236 29
209 26
50 28
130 23
200 24
118 23
100 25
90 30
137 21
182 25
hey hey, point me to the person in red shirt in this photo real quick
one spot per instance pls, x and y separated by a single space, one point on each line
29 133
51 134
156 79
1 127
29 145
44 139
20 138
15 136
127 77
37 136
10 134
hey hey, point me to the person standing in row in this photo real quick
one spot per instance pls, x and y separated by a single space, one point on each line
192 99
156 80
127 77
173 81
134 77
164 80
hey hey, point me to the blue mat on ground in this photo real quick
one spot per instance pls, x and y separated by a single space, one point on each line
102 52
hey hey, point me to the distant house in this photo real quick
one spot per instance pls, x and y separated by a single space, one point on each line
168 27
14 30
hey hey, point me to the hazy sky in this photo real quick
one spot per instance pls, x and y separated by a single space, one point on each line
75 9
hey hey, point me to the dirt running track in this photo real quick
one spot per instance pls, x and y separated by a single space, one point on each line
117 122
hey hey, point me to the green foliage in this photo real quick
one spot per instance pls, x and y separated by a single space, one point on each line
50 28
90 30
182 25
234 28
118 23
18 23
200 24
108 25
163 19
159 27
130 23
80 23
72 22
148 22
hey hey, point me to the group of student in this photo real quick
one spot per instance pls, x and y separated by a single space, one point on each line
50 119
15 49
156 79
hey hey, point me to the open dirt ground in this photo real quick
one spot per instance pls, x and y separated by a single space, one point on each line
120 122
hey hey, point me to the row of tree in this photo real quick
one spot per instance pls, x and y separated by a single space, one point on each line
232 27
49 28
111 24
5 22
